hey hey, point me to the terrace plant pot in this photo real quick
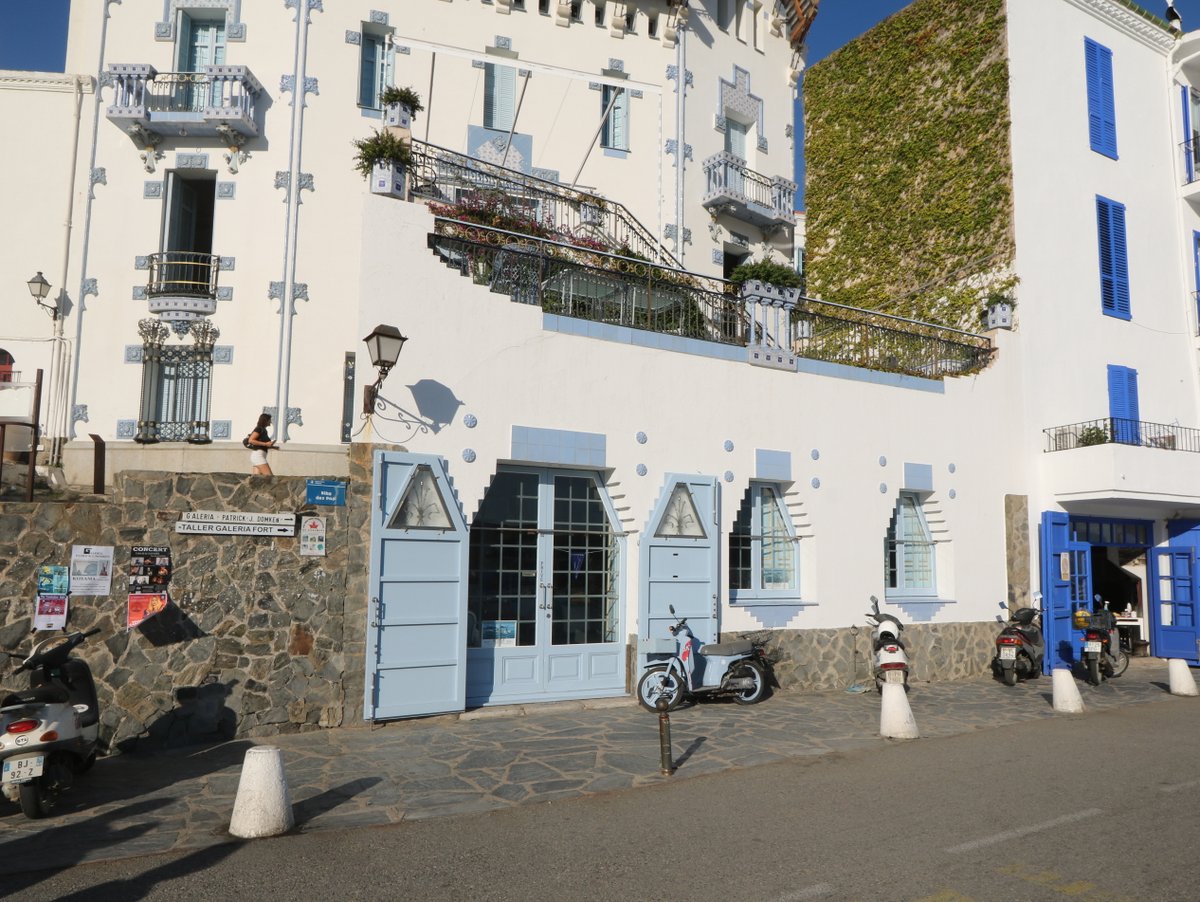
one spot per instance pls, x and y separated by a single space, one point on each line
400 106
383 159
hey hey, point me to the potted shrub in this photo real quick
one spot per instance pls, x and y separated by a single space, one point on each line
1092 435
382 159
400 106
998 311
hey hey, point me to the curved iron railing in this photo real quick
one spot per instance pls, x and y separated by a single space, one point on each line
608 288
446 176
183 274
1122 431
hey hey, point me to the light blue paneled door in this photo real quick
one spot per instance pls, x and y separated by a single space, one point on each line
544 603
417 616
1173 600
1066 568
680 562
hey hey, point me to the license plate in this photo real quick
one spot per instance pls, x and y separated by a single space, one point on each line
1008 654
1092 646
22 770
893 676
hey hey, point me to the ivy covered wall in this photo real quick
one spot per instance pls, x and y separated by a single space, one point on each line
908 179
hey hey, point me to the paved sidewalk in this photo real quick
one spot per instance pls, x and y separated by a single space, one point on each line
495 758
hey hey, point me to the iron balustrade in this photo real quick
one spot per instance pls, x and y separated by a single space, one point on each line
447 176
183 274
601 287
1191 160
228 94
1122 431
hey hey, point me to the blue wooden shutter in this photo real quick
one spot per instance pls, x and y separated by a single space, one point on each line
1189 147
1114 257
1102 117
499 88
1123 404
368 87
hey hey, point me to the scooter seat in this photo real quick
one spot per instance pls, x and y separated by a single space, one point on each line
45 695
728 649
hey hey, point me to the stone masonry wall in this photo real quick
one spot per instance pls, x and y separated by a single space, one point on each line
255 642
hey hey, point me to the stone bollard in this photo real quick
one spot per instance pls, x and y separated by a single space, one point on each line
896 719
263 806
1066 694
1182 681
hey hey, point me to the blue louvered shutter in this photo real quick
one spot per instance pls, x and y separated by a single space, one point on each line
1102 115
1114 257
499 87
1123 405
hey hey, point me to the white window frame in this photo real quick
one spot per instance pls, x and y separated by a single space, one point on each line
785 544
907 515
614 134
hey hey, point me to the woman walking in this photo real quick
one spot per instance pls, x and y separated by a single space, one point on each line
260 443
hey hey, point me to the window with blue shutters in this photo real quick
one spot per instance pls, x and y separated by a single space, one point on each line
1123 405
499 94
615 133
374 69
1114 258
1102 116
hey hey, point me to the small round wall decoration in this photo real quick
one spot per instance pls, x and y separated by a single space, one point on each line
469 421
951 468
641 438
883 488
729 475
816 483
882 461
728 445
469 455
953 494
641 469
815 454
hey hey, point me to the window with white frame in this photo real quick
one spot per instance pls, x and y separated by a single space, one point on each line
499 96
762 547
375 62
615 133
908 550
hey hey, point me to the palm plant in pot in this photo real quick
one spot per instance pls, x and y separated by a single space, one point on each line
383 158
400 106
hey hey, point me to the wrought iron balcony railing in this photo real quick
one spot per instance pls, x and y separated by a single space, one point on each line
1121 431
447 176
215 101
762 200
592 285
183 274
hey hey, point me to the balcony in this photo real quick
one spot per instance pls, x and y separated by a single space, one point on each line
731 187
216 102
183 285
1190 170
1118 459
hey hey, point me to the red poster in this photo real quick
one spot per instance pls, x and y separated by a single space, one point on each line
144 606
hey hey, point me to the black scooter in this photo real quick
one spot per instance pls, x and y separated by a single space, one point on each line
1020 648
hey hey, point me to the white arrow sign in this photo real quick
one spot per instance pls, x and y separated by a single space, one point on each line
237 517
235 529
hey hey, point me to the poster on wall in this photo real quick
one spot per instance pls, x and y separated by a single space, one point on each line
50 612
91 569
149 567
499 634
143 606
52 580
312 537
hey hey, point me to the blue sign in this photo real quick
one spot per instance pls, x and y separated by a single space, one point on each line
326 491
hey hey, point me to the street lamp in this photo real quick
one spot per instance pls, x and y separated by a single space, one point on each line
384 344
39 288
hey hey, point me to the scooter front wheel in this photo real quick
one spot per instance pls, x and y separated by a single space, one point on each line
1122 664
756 692
660 682
36 801
1010 676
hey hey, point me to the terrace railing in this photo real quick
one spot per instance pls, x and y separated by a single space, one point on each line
446 176
1122 431
601 287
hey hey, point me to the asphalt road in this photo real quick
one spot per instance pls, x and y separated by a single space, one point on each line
1101 806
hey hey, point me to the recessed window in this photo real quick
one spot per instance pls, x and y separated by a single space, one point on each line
908 550
652 25
599 13
615 133
762 548
576 10
499 96
375 61
544 7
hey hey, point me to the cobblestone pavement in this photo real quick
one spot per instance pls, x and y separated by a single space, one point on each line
137 804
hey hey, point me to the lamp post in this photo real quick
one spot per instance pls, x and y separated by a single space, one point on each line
384 345
40 288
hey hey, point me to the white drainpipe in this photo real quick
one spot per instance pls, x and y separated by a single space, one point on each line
680 91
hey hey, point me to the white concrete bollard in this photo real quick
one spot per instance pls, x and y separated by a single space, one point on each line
1066 694
895 714
263 806
1182 681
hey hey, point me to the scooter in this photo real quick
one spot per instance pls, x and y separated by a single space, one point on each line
738 668
48 732
891 660
1020 648
1102 653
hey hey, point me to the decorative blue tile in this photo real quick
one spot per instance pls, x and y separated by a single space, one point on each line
221 430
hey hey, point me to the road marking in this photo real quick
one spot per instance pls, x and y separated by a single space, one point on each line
1176 787
1024 831
809 892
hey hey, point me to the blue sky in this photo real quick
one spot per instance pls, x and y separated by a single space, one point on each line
33 34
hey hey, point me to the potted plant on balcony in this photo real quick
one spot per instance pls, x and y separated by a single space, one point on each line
998 311
400 106
382 159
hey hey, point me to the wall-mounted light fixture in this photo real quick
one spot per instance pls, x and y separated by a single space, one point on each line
40 288
384 345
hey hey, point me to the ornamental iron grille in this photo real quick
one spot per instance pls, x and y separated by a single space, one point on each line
176 384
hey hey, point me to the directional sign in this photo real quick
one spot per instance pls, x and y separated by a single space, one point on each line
326 491
238 517
192 527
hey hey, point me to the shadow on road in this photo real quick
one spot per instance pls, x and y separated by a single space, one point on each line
329 799
140 886
690 750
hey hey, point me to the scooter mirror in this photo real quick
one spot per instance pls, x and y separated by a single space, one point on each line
671 608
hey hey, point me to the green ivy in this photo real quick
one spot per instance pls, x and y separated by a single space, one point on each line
908 172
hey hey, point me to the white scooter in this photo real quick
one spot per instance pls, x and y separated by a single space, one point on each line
891 660
739 668
48 732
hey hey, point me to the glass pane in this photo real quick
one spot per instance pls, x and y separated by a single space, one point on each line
778 558
422 506
739 545
681 518
502 585
585 593
1166 614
